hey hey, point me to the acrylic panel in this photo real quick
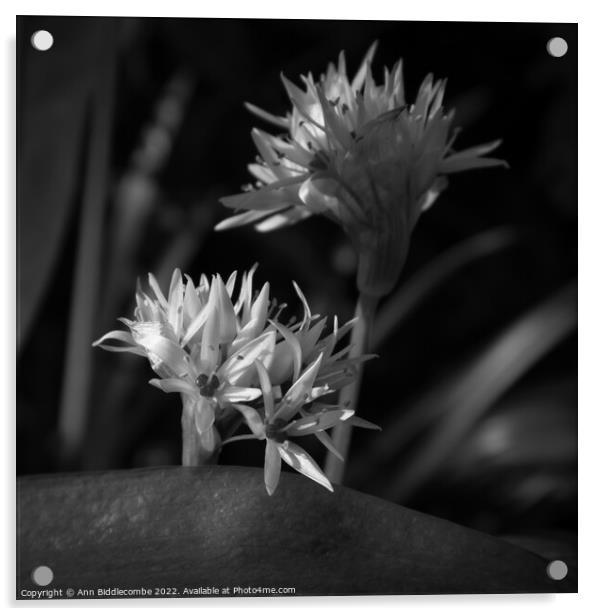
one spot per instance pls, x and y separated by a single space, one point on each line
296 308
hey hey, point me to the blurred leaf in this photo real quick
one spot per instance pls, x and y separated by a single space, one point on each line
534 429
88 259
216 526
453 408
493 372
54 92
436 272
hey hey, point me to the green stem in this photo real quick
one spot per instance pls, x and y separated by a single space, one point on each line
348 397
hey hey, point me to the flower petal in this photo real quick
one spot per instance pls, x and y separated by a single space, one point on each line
240 394
266 200
238 220
154 285
122 336
299 393
306 311
309 338
162 351
252 418
266 389
237 369
209 355
318 422
192 303
360 76
329 444
359 422
301 461
268 117
453 165
280 368
175 310
228 325
259 309
272 466
193 333
283 219
172 385
295 347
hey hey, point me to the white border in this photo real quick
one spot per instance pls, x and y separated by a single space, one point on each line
590 309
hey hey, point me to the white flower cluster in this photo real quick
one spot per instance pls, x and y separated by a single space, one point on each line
226 356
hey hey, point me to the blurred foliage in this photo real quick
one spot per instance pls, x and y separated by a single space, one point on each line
181 140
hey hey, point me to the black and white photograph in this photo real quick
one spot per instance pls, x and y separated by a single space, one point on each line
296 308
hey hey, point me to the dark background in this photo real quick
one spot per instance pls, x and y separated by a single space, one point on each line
130 130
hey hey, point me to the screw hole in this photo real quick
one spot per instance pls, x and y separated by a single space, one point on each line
42 575
557 47
42 40
557 570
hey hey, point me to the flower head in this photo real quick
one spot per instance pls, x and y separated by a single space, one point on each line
197 343
205 346
357 153
291 415
298 412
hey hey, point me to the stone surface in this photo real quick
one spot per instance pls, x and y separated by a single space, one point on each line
216 527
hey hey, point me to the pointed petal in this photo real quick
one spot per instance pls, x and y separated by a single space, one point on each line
238 368
318 422
329 444
266 388
249 332
309 338
154 285
172 385
306 310
264 199
295 347
162 351
478 150
360 76
228 325
239 220
240 394
301 461
122 336
283 219
358 422
192 333
231 283
268 117
454 165
299 393
175 309
263 173
259 309
209 356
252 418
192 303
272 467
281 368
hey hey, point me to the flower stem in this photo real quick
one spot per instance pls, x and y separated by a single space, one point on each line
196 451
360 342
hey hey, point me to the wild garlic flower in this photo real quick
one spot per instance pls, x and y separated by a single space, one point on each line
279 420
205 346
199 347
294 414
359 154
